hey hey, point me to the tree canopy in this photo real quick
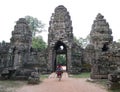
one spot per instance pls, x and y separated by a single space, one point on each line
82 41
36 25
61 59
38 43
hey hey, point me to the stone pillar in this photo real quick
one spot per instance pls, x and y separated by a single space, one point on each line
69 60
100 38
60 34
50 60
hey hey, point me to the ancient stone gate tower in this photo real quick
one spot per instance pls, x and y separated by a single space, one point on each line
60 35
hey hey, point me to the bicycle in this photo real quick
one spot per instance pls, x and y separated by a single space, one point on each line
59 75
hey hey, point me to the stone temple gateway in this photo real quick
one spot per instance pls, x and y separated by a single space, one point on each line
101 56
60 34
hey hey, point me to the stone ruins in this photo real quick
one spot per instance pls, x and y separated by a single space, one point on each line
18 59
61 34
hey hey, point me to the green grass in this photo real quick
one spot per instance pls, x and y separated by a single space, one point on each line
115 90
10 85
103 82
81 75
43 76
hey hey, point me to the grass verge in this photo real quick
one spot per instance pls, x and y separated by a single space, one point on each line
103 82
43 76
10 85
81 75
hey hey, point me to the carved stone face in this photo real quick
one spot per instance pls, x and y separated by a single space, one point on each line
60 25
100 33
21 34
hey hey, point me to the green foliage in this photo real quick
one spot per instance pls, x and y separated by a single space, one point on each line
118 40
76 41
3 42
103 82
10 85
38 43
115 90
36 25
81 75
43 76
61 59
82 41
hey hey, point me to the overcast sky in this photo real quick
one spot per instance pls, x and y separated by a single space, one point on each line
82 12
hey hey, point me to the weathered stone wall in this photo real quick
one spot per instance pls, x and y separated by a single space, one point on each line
76 59
101 56
114 80
60 33
4 57
21 42
42 59
17 58
106 52
88 57
101 33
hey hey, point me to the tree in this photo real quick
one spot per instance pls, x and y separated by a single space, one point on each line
3 43
83 42
61 59
36 25
76 41
38 43
118 41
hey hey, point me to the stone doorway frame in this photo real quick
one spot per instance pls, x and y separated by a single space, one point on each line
52 56
58 51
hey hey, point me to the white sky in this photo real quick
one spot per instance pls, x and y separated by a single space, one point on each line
82 12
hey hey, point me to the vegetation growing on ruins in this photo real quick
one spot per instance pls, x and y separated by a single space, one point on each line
10 85
83 42
35 25
81 75
38 42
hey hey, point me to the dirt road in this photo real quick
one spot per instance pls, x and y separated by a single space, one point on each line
65 85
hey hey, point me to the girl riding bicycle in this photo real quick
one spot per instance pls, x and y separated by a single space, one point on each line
59 71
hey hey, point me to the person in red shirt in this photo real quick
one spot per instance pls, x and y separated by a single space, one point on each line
59 71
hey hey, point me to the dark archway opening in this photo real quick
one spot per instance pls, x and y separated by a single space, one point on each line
60 55
105 47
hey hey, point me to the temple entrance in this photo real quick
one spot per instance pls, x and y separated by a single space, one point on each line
60 55
60 39
61 60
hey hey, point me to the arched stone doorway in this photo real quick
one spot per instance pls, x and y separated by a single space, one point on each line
60 55
60 34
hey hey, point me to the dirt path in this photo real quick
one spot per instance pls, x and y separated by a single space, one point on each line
65 85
